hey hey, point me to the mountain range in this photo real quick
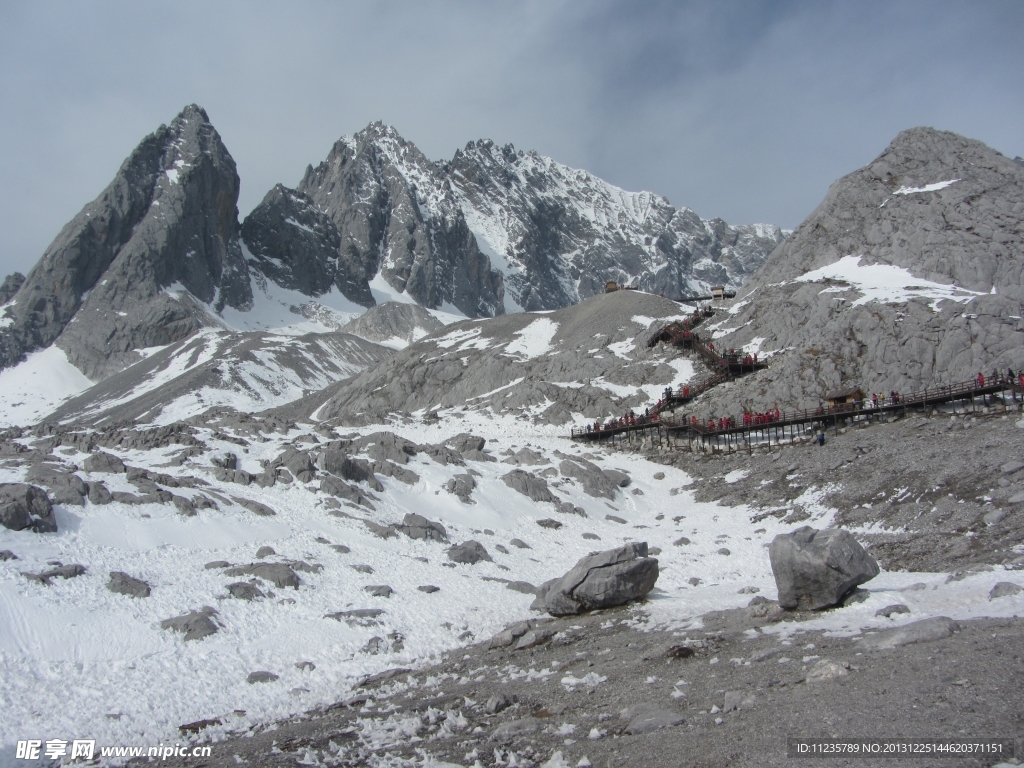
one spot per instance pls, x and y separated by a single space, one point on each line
161 252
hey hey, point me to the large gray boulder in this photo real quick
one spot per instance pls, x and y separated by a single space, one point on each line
418 527
26 506
603 580
528 484
595 481
468 552
815 569
123 584
195 625
104 462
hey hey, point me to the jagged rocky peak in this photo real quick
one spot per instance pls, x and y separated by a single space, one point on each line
298 246
168 220
399 220
562 233
909 274
512 230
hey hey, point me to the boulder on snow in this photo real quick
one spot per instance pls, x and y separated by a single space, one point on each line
123 584
280 575
195 625
528 484
103 462
26 506
595 481
462 486
815 569
418 527
468 552
603 580
463 442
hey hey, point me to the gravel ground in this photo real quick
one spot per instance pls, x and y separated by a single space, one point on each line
960 686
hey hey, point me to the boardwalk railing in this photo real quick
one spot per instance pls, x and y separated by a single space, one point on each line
930 396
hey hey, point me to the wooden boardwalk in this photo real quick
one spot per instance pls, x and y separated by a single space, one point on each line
732 434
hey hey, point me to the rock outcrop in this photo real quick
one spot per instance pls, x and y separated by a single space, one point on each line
815 569
26 506
297 246
603 580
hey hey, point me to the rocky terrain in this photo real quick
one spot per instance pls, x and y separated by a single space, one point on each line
307 532
907 275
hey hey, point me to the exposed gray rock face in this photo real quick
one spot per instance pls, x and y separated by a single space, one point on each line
195 625
604 580
12 283
299 247
66 487
528 484
123 584
244 590
393 321
397 218
468 552
168 218
26 506
595 481
465 443
253 371
815 569
261 676
945 209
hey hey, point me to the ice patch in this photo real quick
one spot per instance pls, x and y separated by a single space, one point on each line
534 340
884 283
926 188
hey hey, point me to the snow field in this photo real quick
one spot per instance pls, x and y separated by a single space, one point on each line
75 653
34 388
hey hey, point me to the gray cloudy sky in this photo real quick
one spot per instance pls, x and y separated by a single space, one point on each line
744 110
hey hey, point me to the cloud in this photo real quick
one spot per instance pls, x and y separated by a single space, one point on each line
744 110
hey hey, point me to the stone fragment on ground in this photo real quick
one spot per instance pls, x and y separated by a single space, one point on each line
281 575
924 631
891 610
244 590
123 584
815 569
70 571
195 625
379 590
1004 589
261 676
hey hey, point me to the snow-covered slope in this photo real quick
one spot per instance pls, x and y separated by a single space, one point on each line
217 369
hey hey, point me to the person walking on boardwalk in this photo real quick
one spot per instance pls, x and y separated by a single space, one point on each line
981 379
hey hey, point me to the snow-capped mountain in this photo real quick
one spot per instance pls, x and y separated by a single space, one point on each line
496 218
160 253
